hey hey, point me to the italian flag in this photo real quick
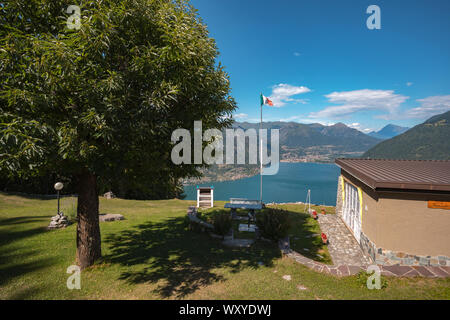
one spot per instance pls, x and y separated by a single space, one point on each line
265 100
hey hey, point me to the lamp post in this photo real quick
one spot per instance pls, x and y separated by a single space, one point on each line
58 187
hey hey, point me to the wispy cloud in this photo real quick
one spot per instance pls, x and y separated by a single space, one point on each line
302 119
360 100
283 93
429 107
409 84
297 54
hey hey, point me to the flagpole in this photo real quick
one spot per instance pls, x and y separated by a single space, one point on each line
260 154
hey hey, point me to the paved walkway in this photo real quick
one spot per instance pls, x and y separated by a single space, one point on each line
342 246
345 252
349 259
348 270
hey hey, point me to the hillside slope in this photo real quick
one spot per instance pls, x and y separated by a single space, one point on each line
429 140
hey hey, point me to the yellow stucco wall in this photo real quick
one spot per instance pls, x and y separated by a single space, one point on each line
409 226
403 222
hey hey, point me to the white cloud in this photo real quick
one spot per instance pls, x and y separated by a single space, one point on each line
359 127
297 54
409 84
240 116
429 107
282 93
360 100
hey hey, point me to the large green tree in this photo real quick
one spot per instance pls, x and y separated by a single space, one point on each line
99 103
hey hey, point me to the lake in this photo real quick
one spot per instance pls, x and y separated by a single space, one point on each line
291 184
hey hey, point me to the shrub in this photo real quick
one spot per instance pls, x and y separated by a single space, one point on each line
222 223
273 224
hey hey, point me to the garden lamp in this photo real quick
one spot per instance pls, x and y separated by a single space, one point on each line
58 187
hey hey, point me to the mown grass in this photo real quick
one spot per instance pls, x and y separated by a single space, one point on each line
151 255
304 233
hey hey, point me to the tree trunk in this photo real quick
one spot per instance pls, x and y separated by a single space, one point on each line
88 228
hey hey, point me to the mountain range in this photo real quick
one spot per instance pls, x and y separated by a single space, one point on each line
427 141
389 131
298 143
316 142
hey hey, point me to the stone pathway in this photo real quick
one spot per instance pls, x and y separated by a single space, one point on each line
348 270
342 246
345 252
353 261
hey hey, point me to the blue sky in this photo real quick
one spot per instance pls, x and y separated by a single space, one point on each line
319 62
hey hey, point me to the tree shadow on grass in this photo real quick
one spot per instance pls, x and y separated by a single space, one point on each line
15 231
25 293
305 237
13 261
11 270
21 220
180 261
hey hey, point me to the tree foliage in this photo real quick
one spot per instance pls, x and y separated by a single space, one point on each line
106 98
97 105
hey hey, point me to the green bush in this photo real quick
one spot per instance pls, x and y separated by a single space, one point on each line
222 223
273 224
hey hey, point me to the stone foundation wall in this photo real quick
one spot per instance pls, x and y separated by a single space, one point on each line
386 257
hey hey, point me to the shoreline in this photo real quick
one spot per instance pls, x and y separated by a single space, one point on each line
298 203
249 176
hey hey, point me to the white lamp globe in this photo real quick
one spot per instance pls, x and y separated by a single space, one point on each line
58 186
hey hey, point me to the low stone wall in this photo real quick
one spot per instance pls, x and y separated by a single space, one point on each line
192 215
386 257
349 270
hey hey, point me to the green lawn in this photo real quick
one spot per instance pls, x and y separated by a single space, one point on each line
151 255
304 233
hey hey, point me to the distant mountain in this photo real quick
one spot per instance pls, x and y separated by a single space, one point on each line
298 143
429 140
315 142
389 131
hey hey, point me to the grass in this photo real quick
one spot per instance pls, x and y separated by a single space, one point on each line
207 214
304 233
151 255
